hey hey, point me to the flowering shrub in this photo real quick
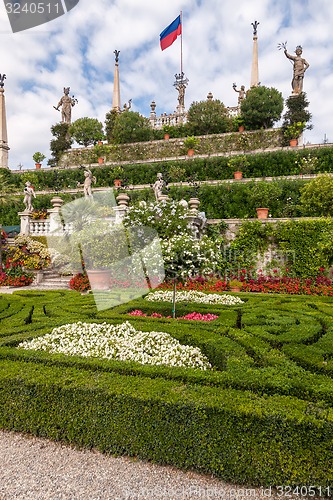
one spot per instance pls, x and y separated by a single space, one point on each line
186 257
80 283
194 296
28 253
15 277
167 218
39 213
122 342
194 316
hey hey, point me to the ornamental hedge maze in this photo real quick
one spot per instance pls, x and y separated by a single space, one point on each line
262 416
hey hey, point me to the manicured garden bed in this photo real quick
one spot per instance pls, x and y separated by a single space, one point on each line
262 415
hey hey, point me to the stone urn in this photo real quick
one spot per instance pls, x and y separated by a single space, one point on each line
194 204
122 200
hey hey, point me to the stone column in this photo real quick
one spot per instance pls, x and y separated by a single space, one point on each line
255 68
116 85
3 131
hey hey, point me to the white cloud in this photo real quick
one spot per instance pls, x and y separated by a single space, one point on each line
76 50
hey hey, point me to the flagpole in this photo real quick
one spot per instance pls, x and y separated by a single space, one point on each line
181 43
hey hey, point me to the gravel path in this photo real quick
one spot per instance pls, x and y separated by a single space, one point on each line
33 468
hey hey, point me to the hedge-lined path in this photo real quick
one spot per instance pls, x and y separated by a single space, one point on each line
34 468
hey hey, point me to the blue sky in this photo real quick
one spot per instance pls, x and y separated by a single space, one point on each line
76 50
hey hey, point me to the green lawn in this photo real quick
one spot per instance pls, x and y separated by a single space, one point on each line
262 416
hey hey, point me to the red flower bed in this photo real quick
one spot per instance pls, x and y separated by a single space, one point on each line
194 316
320 285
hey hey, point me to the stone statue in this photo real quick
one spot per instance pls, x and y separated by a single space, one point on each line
2 80
158 186
29 192
255 27
300 67
116 53
67 103
241 93
89 179
128 106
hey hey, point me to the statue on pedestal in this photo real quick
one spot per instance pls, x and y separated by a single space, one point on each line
29 192
158 186
89 179
67 102
300 67
241 93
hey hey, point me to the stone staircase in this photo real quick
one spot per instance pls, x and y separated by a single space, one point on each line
51 280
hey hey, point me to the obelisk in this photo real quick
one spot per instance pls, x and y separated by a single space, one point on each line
255 69
3 126
116 85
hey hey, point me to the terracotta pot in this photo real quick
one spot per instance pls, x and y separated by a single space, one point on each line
293 142
38 165
117 182
235 289
99 278
262 213
238 174
190 152
166 137
100 160
241 128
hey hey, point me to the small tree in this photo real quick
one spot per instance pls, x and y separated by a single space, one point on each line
86 131
61 143
262 107
131 127
317 196
296 113
208 117
110 121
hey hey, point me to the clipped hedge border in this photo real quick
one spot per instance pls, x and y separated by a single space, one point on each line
234 435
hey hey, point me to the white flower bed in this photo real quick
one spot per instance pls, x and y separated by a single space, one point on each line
194 296
122 342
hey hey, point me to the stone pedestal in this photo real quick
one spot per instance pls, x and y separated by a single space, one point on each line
25 222
55 221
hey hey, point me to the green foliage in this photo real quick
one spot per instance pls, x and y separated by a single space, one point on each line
262 107
296 110
317 196
208 117
238 162
191 142
110 120
38 157
271 388
61 143
131 127
86 131
307 244
263 194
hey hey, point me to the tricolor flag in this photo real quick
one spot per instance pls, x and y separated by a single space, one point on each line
169 35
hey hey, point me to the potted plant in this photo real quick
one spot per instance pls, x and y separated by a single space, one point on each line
102 248
238 164
293 131
101 150
235 285
38 159
239 123
190 143
167 129
262 194
117 173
